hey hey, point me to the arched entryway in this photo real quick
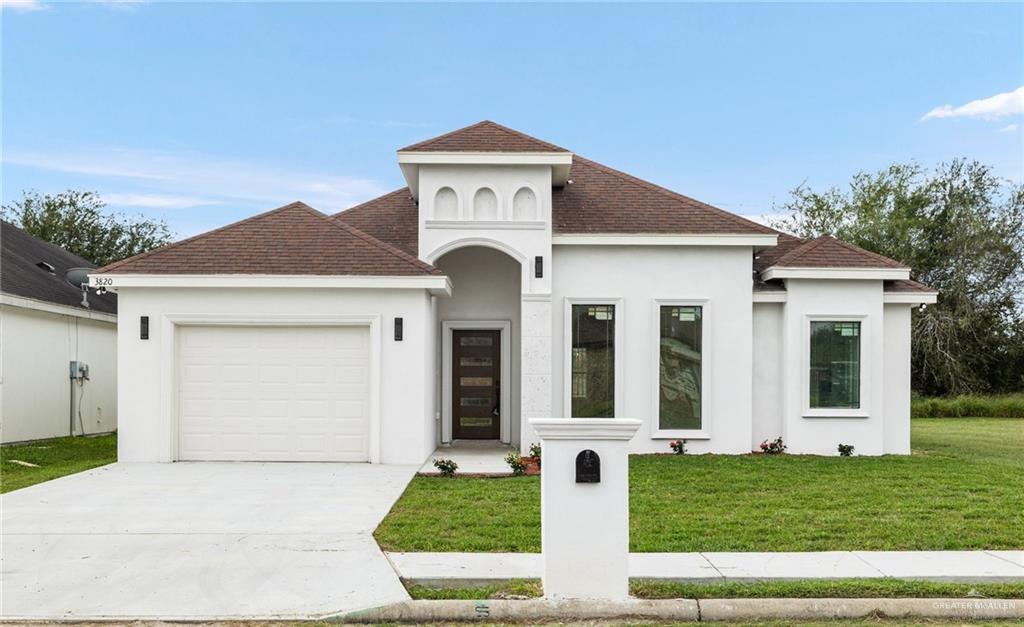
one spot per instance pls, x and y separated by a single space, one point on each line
480 345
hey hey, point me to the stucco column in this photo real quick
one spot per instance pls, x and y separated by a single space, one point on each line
535 364
584 506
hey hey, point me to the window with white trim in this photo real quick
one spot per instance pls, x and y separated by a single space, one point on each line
835 364
680 367
593 361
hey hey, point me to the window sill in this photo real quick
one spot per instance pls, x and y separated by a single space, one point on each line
680 434
836 413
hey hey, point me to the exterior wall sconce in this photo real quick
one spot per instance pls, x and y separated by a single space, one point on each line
143 327
398 329
538 267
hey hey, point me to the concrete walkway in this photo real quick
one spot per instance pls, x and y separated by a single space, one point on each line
483 457
200 541
475 569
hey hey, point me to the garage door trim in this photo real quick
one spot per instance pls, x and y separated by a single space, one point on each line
170 324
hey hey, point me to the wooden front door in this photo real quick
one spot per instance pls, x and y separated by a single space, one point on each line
476 384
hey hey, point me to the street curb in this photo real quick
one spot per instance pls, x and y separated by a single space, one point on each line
683 610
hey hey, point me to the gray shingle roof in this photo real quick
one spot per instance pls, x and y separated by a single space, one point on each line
20 274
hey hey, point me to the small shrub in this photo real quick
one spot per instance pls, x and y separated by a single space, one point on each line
535 450
516 463
678 446
846 450
446 467
775 447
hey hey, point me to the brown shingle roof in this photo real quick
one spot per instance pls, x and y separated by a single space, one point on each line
829 252
767 257
600 199
484 136
392 218
291 240
907 286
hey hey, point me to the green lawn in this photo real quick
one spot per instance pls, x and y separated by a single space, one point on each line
816 589
54 458
961 489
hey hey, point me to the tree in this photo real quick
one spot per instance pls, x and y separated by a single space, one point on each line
77 221
961 230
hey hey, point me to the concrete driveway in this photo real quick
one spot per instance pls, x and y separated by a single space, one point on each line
200 540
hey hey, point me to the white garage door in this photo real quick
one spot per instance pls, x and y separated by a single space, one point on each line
274 393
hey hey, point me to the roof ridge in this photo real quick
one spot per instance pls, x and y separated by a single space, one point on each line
401 254
806 247
118 264
520 134
821 240
672 194
856 248
500 127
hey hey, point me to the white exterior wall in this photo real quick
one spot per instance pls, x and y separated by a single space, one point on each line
36 348
897 379
854 300
147 388
638 276
768 379
486 288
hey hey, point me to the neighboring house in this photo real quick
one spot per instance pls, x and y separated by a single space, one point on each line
43 328
511 279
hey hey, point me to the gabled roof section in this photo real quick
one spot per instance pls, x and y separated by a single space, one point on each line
25 262
485 136
291 240
829 252
391 218
599 199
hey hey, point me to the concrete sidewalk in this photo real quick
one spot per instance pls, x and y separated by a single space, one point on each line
475 569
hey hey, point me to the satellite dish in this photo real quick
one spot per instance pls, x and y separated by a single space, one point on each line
77 276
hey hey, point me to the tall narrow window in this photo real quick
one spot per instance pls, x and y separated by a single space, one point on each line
835 365
593 361
680 358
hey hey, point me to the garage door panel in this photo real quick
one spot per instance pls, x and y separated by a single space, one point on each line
274 393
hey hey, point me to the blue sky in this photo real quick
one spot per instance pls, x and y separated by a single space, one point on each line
202 114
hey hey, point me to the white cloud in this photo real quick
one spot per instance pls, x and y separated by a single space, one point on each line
194 176
1009 128
157 201
24 6
992 108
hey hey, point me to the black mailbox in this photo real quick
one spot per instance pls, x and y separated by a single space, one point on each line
588 467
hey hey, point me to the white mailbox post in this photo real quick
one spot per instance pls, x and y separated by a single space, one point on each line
584 507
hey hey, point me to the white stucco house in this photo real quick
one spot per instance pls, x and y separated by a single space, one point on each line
44 329
511 279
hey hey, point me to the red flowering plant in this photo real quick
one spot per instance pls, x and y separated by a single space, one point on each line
678 446
774 447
